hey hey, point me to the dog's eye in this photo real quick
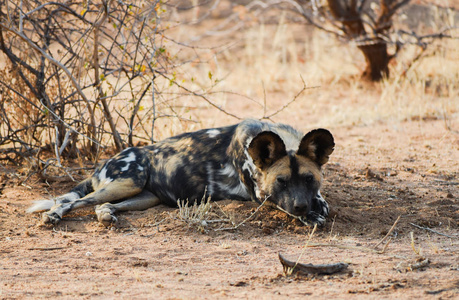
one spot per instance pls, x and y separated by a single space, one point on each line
309 178
281 180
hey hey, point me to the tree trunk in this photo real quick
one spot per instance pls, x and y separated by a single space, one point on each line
376 55
377 61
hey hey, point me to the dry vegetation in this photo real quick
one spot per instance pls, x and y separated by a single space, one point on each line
397 154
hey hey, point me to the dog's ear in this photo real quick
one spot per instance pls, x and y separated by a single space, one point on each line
266 148
317 145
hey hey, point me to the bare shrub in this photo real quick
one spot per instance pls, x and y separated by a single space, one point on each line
80 76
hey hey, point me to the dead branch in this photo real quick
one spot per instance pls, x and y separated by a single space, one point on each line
98 83
304 269
46 248
268 117
76 62
202 96
388 233
422 263
63 68
246 219
434 231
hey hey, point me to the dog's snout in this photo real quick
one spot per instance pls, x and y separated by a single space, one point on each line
300 208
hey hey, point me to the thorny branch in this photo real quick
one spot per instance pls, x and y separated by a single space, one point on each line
81 71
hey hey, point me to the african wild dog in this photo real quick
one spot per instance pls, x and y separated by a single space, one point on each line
251 160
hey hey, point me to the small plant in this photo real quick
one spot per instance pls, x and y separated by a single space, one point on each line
196 214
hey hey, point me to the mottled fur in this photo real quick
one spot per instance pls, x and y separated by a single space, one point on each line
251 160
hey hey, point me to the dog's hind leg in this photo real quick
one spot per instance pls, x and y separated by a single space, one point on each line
144 200
119 189
82 189
121 177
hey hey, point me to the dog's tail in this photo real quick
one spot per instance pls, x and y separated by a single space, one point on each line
41 205
82 189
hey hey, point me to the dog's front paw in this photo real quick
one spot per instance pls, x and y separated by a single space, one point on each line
314 218
50 218
321 206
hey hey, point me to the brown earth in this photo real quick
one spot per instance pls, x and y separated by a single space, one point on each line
376 174
384 166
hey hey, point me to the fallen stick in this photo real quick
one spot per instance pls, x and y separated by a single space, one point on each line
388 233
291 267
359 248
46 248
434 231
248 218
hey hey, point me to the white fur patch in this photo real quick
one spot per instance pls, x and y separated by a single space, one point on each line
248 164
291 139
129 158
228 171
72 196
257 191
103 179
239 190
212 133
171 195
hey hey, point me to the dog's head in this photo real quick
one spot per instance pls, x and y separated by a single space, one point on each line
290 179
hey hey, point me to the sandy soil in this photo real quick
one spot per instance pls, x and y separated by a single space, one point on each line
380 170
376 174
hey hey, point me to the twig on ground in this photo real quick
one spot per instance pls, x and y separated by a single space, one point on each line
157 223
301 219
46 248
248 218
434 231
359 248
289 268
388 233
330 237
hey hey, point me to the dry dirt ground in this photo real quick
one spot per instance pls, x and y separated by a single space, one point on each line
376 174
380 170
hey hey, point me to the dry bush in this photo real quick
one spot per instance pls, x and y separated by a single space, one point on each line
196 214
80 77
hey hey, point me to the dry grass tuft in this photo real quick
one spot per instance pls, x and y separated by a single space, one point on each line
195 215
